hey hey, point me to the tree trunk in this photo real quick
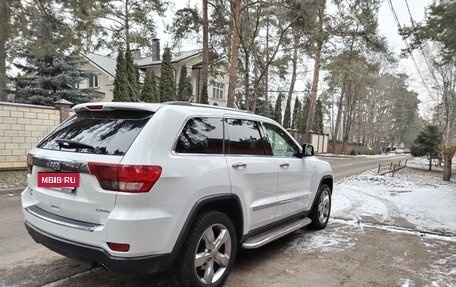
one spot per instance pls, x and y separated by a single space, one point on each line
266 70
316 74
339 111
205 63
449 149
449 145
235 43
347 115
294 67
256 88
127 25
266 73
4 19
447 162
247 78
430 163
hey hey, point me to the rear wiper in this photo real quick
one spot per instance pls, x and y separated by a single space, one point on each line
72 144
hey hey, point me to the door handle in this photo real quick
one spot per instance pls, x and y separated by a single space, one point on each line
284 165
239 165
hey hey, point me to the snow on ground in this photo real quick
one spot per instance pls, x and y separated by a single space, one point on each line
333 239
422 162
414 202
421 198
359 155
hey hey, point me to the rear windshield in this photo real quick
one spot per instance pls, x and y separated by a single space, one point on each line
102 132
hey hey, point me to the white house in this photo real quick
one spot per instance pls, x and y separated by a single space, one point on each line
103 69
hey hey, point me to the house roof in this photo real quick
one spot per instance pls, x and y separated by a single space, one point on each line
175 57
105 63
108 64
217 60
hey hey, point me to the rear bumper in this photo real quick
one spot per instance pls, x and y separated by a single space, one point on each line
98 256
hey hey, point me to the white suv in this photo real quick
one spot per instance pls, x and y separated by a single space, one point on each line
136 187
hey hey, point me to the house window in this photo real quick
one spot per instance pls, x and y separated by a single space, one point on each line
93 81
218 91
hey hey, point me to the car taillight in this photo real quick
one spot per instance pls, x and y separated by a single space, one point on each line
29 162
119 247
94 107
125 178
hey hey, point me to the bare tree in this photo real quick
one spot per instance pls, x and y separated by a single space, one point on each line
446 112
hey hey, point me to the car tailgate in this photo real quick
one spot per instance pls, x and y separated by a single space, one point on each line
88 202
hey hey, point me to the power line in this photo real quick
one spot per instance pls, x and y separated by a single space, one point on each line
421 47
407 44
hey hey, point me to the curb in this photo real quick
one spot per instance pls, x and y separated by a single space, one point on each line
13 191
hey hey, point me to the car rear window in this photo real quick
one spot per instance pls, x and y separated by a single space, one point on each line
100 132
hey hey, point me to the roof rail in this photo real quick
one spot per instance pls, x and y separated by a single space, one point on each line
181 103
178 103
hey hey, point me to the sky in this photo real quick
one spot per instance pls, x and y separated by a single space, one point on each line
387 27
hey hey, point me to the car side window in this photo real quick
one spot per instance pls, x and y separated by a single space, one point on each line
281 143
245 137
201 136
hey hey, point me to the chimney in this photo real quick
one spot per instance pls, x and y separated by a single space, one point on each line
155 49
136 54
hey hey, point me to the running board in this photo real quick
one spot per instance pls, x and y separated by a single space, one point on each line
272 234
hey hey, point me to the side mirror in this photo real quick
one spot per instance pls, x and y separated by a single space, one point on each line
307 150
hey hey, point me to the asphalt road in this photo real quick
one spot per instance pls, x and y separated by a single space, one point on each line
344 167
14 240
25 263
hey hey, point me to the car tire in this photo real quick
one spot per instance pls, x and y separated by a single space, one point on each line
208 253
321 209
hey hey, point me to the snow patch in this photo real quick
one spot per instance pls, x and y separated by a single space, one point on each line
423 200
334 239
405 283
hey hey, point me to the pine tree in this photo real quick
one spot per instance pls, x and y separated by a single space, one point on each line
204 95
132 78
427 144
167 81
120 92
438 27
7 31
149 93
49 79
278 109
296 113
301 126
318 124
264 108
38 33
287 114
189 88
183 85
